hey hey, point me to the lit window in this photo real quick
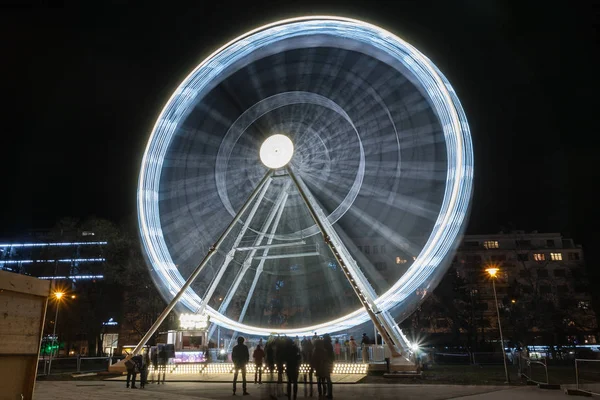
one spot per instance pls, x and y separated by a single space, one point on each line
556 256
414 258
539 257
400 260
490 244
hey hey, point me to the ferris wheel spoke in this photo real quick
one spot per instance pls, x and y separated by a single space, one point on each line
279 204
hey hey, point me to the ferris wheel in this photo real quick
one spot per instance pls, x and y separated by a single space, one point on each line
309 175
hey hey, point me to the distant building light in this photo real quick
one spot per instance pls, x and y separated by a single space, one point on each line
556 256
51 244
400 260
87 233
46 261
539 256
490 244
75 277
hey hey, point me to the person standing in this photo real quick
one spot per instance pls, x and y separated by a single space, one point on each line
353 349
364 344
144 369
330 358
319 364
258 355
240 357
292 358
337 348
131 366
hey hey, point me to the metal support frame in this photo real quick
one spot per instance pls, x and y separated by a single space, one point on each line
271 246
259 268
249 257
211 251
231 254
357 280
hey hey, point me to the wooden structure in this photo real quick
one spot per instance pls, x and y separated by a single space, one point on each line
23 301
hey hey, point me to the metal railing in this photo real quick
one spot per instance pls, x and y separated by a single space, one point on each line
587 375
75 364
534 370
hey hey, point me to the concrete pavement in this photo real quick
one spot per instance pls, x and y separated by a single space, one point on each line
108 390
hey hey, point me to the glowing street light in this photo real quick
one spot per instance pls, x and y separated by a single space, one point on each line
58 295
493 272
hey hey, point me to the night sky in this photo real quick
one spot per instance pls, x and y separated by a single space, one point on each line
83 87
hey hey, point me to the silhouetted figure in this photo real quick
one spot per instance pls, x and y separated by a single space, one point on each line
364 343
279 357
154 359
240 357
258 355
162 364
307 350
144 369
320 365
291 354
132 370
330 362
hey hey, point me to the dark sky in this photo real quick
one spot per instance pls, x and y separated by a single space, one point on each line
83 87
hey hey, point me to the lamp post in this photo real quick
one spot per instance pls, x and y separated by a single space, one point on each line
57 296
493 272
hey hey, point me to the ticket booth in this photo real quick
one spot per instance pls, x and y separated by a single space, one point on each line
191 339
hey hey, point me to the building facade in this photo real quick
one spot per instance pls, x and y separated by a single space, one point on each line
543 294
75 262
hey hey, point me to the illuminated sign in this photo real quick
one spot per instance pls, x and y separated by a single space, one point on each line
110 322
193 321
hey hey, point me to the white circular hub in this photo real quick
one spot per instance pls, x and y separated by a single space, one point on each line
276 151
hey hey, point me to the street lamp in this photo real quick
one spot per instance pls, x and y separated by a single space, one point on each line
493 272
58 296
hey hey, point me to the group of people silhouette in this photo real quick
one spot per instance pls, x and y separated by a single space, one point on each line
282 354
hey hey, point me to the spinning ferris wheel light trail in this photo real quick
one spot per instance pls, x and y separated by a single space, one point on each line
292 167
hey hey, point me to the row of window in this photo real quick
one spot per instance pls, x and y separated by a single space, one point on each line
470 258
493 244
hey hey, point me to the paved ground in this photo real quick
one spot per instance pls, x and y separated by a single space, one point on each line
108 390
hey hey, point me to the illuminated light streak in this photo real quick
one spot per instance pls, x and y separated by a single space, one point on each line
444 101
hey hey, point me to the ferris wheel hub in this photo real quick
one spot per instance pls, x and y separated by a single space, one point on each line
276 151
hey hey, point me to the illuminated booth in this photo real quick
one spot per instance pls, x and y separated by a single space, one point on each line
190 341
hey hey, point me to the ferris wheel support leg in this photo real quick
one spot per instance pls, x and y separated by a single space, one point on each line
230 255
357 281
281 199
211 251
